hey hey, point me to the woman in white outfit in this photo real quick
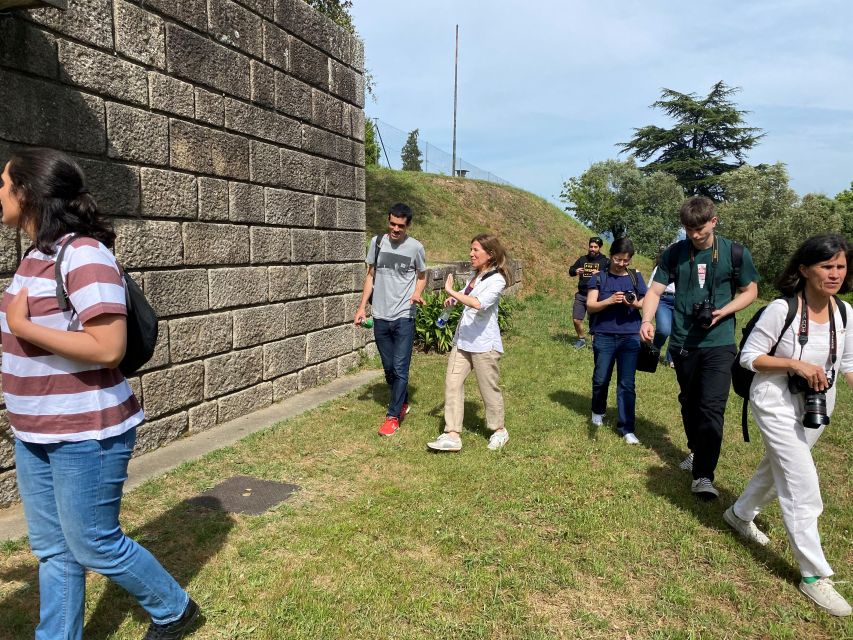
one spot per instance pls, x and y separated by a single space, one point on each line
811 358
477 344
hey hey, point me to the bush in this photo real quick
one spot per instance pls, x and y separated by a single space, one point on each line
428 335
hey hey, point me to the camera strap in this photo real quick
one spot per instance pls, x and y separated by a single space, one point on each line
803 334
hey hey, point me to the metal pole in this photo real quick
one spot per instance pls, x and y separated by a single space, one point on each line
455 85
382 142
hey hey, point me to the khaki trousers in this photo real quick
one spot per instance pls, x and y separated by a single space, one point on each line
485 366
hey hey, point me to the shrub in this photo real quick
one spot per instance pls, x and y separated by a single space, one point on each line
429 336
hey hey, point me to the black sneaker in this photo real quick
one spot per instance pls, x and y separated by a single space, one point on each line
175 630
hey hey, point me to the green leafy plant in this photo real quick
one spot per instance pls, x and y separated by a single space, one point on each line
429 336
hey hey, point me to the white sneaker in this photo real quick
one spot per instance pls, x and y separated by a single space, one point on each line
747 530
687 463
704 488
824 595
630 438
499 438
597 419
445 442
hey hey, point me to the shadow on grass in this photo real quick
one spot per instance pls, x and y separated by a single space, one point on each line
183 540
578 404
673 483
379 393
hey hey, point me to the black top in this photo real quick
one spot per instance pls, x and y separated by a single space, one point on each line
599 260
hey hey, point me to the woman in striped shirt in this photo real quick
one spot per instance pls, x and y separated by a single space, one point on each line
72 412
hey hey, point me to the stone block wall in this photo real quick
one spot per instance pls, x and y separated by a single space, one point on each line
225 138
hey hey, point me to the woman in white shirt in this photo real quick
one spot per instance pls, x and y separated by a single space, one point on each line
477 344
792 397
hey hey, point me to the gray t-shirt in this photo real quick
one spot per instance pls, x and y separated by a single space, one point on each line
395 276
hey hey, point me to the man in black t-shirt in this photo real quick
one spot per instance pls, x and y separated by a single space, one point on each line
584 268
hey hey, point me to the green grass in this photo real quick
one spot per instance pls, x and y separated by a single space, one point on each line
566 533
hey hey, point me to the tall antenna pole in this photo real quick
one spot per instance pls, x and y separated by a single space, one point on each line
455 85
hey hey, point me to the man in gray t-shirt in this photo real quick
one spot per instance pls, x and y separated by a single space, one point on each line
396 277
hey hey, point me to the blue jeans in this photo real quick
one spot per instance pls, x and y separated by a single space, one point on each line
622 350
663 323
72 495
394 339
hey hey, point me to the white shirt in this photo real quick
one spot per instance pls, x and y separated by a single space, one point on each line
766 332
478 330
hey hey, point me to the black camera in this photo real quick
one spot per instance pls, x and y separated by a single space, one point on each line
630 297
704 313
815 415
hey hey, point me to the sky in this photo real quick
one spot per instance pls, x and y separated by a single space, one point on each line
548 87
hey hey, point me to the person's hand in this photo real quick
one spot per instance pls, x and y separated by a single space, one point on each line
647 331
448 283
580 272
593 271
360 315
18 312
448 302
814 374
416 299
617 298
717 316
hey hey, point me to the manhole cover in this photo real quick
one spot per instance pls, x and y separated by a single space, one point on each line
244 494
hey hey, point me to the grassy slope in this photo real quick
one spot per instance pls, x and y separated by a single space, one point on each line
451 211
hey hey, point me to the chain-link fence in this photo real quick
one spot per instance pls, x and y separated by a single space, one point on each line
433 160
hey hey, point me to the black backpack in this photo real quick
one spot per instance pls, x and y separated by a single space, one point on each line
141 318
742 377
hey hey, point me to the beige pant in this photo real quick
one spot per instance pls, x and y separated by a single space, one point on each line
485 366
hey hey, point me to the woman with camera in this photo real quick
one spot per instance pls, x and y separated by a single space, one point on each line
614 299
792 397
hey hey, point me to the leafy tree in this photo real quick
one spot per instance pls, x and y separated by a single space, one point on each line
371 147
411 154
765 214
616 197
337 10
707 139
845 202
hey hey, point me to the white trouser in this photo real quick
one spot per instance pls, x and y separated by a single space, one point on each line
787 472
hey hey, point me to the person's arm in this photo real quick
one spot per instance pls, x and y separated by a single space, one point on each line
577 268
650 307
467 300
103 340
419 288
593 305
744 297
367 289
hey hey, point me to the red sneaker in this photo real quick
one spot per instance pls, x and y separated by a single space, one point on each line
404 411
390 426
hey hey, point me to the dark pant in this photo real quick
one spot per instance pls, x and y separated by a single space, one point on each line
394 339
663 323
621 350
704 377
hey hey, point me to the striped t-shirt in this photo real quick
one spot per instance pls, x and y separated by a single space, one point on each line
50 398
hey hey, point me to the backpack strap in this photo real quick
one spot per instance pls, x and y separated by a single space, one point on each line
61 296
378 243
737 263
632 273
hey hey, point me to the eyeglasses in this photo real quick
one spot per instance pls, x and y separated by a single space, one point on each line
623 263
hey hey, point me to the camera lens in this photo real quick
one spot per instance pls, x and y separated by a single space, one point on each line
815 415
630 297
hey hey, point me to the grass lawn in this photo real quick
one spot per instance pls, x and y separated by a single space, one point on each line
566 533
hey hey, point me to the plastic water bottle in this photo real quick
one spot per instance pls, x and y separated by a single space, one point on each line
441 321
367 323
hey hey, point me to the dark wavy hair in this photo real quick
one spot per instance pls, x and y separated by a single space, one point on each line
813 251
54 199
